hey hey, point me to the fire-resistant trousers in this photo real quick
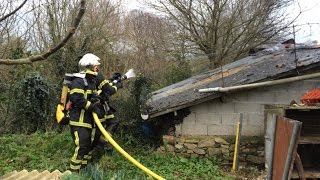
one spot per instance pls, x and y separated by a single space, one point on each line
83 145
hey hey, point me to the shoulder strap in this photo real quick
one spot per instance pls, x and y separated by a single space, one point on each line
85 82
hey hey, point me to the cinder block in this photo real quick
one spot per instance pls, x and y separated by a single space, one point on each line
242 96
296 95
252 130
295 85
255 119
215 118
214 106
248 107
308 84
230 118
220 107
317 80
188 129
190 119
202 118
261 97
228 107
283 97
178 129
202 108
283 87
221 130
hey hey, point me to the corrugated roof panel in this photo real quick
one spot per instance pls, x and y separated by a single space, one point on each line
34 175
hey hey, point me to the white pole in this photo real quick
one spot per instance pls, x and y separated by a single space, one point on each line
261 84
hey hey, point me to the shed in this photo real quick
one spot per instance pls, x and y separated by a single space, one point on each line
216 113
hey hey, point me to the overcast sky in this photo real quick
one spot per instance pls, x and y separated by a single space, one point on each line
307 25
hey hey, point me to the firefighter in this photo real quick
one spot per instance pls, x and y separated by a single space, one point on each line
81 94
106 88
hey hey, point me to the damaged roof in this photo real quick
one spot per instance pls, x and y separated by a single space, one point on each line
257 68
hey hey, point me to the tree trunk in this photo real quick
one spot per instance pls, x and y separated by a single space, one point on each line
214 62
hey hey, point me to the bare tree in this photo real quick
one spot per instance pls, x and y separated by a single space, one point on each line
101 33
56 47
148 41
226 29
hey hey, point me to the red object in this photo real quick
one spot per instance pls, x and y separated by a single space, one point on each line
311 98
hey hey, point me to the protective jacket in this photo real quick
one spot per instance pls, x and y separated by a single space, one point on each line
106 87
81 92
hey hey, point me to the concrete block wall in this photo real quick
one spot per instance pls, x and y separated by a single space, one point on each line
219 118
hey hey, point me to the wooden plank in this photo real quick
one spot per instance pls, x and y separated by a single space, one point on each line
299 166
309 140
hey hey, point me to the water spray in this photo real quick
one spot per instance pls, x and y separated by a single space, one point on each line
127 75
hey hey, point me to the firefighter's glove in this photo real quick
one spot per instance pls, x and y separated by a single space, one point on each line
119 84
96 110
116 76
96 99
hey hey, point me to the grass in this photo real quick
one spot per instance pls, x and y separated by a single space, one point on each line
51 151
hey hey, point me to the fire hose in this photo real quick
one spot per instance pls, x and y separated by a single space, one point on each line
124 153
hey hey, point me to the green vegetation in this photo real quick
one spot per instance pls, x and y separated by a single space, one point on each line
52 151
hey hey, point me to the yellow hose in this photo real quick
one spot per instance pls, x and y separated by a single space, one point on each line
125 154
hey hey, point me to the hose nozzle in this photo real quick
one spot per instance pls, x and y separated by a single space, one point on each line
129 74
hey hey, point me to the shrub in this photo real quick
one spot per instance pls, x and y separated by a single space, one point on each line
31 103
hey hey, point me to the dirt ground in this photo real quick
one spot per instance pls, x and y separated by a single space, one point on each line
246 173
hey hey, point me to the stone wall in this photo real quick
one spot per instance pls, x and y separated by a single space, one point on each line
251 148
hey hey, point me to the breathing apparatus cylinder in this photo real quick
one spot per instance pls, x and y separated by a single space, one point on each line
61 107
65 89
64 94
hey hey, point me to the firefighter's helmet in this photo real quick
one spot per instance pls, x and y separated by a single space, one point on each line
88 61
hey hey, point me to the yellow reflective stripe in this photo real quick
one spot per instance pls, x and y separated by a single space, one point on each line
75 167
76 161
76 90
106 117
99 92
103 119
104 82
91 72
87 105
115 87
75 154
82 124
84 162
81 118
109 116
89 92
89 156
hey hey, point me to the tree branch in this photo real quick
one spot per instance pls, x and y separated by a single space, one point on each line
14 11
31 59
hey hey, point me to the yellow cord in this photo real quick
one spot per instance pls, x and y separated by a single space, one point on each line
125 154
